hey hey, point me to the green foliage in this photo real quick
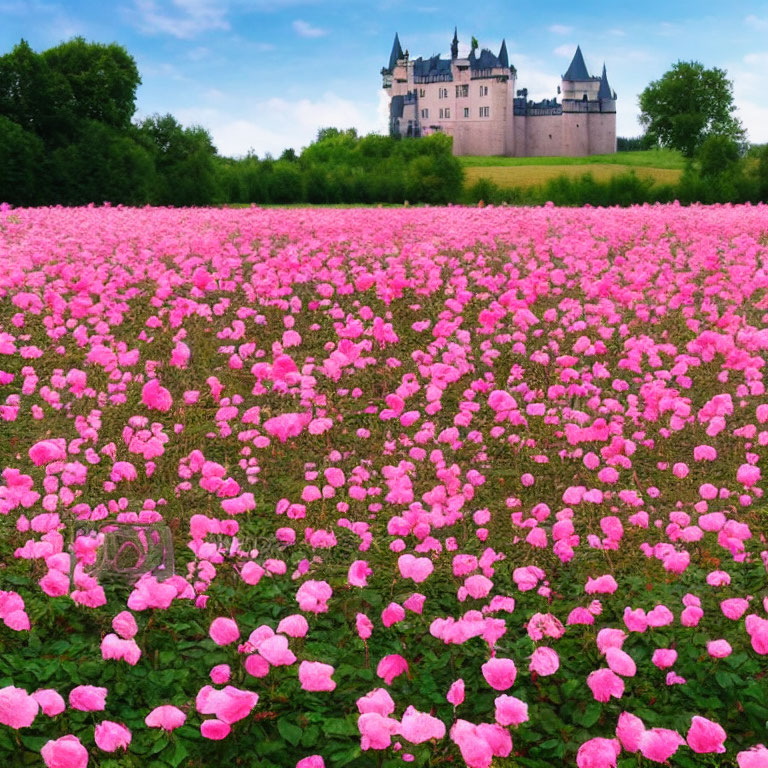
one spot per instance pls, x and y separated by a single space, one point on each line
21 155
184 159
687 104
102 79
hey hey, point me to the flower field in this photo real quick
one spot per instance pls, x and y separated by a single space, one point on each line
440 487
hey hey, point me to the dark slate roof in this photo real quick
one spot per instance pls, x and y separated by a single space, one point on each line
486 60
503 56
605 89
396 107
432 66
397 53
578 69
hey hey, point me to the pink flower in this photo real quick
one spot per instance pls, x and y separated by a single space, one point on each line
364 626
664 657
610 638
734 607
545 661
17 708
659 744
313 761
601 585
392 614
224 631
313 596
316 676
111 736
66 752
598 753
220 674
620 662
166 717
705 736
499 673
294 625
391 667
455 693
418 727
88 698
275 650
719 649
216 730
757 757
416 568
156 397
629 730
358 574
376 730
604 683
125 625
510 710
228 705
377 700
50 701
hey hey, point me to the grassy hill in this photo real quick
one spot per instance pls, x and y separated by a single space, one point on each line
664 166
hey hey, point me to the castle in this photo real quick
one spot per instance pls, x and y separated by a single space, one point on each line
475 101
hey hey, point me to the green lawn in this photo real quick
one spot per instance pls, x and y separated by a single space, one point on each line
652 158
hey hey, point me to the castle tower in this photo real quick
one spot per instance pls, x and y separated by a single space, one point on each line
455 44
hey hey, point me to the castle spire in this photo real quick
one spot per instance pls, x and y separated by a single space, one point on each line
578 69
455 44
503 56
397 53
605 89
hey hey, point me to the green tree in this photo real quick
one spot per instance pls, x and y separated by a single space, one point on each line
687 104
20 157
102 78
35 97
184 159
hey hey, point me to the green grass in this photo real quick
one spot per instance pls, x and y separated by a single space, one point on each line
652 158
526 176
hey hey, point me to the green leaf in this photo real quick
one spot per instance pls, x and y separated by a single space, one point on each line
309 737
289 731
591 714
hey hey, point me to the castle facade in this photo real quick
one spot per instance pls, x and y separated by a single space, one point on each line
476 101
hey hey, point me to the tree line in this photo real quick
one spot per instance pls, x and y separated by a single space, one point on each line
68 136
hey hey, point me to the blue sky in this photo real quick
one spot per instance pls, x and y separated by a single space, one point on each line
263 75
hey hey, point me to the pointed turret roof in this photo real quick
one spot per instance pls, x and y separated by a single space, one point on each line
455 43
578 69
397 53
605 89
503 56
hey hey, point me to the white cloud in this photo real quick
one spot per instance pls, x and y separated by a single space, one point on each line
305 29
565 51
748 78
272 125
756 22
180 18
560 29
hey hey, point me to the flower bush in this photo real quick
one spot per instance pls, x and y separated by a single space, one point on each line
442 486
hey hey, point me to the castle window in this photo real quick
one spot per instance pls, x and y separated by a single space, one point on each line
443 93
466 111
425 113
462 90
483 90
447 113
422 93
485 111
441 114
